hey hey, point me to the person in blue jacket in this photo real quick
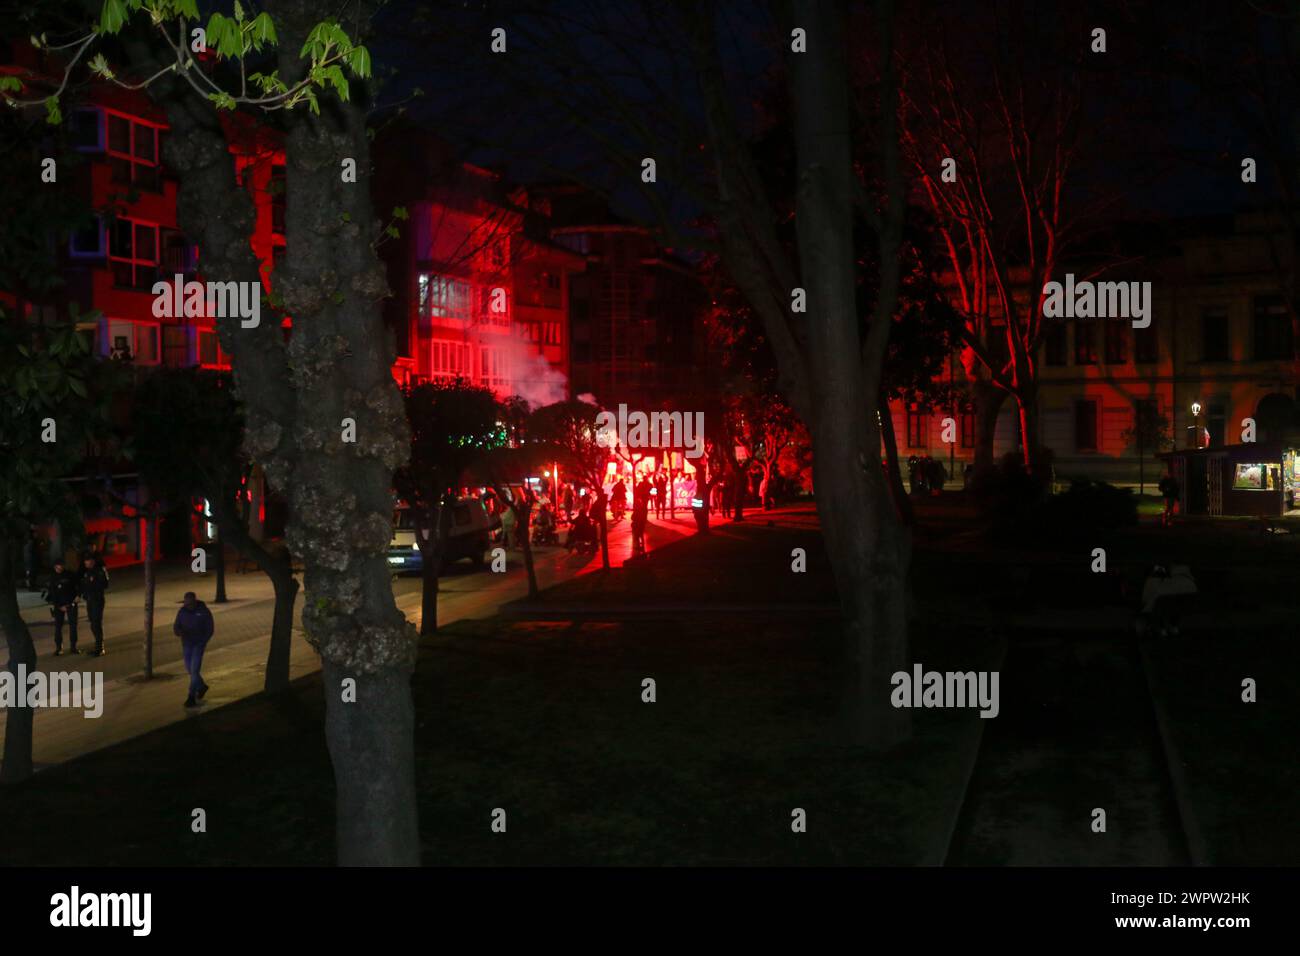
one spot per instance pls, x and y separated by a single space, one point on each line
194 627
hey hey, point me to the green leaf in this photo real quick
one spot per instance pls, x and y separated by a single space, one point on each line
78 387
53 115
399 212
222 101
358 61
334 75
264 29
10 84
112 16
239 12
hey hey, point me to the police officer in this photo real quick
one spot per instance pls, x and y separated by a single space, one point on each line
94 582
61 593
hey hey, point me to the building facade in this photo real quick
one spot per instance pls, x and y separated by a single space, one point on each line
479 289
1219 351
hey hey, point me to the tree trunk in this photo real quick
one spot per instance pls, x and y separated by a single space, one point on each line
430 542
219 543
902 503
1030 449
341 359
1142 476
336 365
988 399
371 743
862 533
286 597
150 534
17 764
279 569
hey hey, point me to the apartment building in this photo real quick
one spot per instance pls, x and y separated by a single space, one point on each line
479 289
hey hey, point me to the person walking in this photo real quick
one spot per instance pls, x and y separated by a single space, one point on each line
640 516
1170 491
618 500
661 494
94 582
61 593
194 627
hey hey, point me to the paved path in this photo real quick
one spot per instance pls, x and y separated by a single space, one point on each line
235 663
1076 732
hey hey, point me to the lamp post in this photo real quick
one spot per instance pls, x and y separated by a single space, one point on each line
1194 432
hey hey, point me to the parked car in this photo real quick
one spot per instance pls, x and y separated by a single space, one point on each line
469 536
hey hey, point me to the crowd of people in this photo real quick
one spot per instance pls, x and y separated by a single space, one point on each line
578 508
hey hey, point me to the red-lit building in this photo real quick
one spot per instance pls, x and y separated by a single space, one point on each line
479 289
1219 350
131 242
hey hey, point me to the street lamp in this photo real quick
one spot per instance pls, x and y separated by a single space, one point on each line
1194 430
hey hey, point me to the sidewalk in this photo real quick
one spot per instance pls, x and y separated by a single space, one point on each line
134 706
235 665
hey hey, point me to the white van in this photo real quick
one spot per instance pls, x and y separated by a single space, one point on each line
468 537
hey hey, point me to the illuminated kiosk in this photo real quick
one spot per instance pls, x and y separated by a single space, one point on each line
1257 478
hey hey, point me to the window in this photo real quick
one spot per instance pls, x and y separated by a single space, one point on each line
917 420
1085 425
487 298
492 368
133 152
133 253
579 242
1272 329
86 130
1116 343
87 242
211 354
1214 336
133 341
176 346
449 359
179 256
1146 349
1056 343
443 299
968 427
1085 343
1255 477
